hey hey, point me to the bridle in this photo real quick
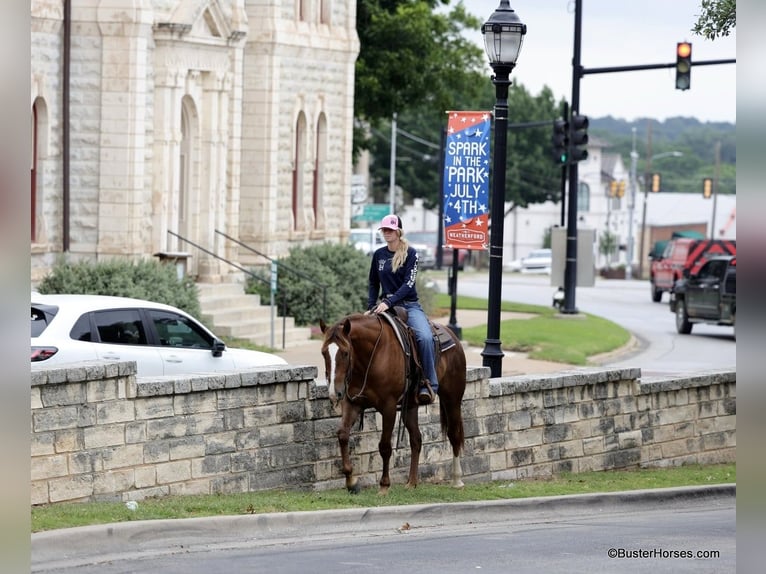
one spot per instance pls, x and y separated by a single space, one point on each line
343 392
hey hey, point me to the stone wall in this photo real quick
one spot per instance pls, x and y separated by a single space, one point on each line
98 433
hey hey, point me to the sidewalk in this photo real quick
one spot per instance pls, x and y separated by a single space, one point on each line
310 353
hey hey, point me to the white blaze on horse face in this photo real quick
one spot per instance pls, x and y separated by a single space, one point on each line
332 351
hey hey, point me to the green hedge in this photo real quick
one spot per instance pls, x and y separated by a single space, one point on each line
149 279
342 268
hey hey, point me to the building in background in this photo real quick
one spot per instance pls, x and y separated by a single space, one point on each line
526 228
191 117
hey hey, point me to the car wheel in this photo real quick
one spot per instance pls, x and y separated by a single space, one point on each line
656 293
683 325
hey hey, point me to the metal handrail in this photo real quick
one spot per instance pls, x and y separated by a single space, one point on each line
281 264
248 272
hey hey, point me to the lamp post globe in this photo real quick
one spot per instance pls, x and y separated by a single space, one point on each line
503 36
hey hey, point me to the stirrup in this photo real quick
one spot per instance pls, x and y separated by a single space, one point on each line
426 394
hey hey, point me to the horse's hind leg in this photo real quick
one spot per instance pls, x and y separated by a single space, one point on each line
452 422
385 449
416 443
348 417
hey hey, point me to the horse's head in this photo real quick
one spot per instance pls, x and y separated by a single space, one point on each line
338 353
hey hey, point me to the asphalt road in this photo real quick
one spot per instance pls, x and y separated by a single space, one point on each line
670 530
660 349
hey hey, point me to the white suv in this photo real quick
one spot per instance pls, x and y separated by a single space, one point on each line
161 339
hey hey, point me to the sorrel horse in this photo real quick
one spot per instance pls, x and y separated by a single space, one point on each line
365 366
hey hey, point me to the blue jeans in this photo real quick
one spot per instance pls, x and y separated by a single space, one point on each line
418 322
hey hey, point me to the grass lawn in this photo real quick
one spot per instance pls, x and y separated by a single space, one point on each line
548 336
67 515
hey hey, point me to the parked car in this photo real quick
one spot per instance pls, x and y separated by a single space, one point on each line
366 240
161 339
538 261
684 255
430 239
708 296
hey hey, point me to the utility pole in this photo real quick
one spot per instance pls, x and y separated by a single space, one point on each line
647 175
392 169
631 207
715 185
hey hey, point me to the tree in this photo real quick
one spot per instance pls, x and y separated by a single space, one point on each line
717 19
409 56
607 246
531 176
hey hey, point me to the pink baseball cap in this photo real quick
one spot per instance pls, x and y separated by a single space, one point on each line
391 221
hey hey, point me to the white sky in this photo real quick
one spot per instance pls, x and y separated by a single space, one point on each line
622 33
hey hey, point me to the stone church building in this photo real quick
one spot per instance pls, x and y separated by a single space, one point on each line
154 119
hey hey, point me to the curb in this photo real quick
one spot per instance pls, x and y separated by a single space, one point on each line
84 545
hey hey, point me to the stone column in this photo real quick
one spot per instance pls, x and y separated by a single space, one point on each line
124 199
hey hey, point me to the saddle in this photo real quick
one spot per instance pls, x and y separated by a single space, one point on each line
443 341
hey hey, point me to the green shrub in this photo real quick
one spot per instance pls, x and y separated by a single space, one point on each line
150 280
341 268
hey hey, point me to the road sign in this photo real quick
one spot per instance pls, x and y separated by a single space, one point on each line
372 212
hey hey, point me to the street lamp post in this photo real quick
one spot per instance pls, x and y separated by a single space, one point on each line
503 36
646 198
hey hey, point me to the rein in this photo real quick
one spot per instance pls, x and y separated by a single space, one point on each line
367 370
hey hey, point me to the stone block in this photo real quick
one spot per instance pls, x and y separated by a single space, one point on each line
78 487
103 435
176 471
114 412
44 467
123 456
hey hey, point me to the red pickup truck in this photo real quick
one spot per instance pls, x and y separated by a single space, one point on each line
682 255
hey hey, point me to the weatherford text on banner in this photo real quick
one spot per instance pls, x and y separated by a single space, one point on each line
466 180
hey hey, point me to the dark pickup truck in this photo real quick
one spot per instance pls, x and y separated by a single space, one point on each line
708 296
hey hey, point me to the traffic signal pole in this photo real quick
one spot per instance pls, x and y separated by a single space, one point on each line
570 268
578 71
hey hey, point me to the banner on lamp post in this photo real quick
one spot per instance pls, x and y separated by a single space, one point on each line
466 180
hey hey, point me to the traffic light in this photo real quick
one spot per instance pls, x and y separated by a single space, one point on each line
613 188
560 141
707 188
621 188
683 65
578 138
656 182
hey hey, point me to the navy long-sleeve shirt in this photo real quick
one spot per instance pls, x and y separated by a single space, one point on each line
397 286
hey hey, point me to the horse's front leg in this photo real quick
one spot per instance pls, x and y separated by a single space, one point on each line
349 414
384 447
416 443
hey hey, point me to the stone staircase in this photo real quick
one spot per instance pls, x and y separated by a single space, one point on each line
229 312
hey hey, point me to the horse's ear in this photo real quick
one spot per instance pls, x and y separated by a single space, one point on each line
322 325
346 327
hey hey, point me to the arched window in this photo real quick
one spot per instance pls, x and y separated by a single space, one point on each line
319 168
34 172
298 176
303 10
324 11
583 197
39 127
178 216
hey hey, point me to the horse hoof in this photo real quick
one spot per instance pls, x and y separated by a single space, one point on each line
383 491
355 489
458 484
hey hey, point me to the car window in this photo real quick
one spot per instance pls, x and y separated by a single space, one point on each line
712 269
175 330
42 315
120 326
81 329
